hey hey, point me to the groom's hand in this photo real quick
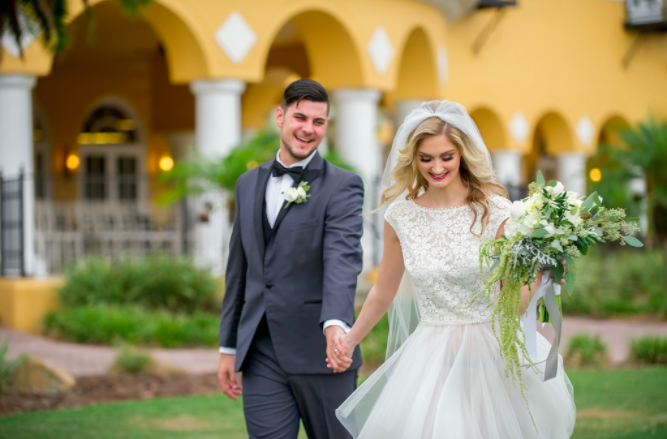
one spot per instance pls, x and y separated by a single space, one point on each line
337 362
227 377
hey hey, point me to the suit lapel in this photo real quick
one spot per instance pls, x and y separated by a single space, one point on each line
260 193
311 172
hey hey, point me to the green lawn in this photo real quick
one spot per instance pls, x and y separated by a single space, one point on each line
612 404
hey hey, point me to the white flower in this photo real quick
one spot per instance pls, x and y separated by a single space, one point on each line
297 194
573 218
292 194
531 220
557 190
517 210
549 227
573 199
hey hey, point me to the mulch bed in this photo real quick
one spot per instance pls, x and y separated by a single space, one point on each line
96 389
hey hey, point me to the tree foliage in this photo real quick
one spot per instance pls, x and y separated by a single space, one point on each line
49 19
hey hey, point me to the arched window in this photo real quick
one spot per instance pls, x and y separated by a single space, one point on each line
108 125
111 156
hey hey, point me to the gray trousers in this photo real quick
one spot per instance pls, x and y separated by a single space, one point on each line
274 401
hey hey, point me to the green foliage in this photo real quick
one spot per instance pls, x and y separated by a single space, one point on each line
374 345
107 324
645 149
49 20
156 281
201 174
131 360
586 350
624 282
7 367
614 186
649 349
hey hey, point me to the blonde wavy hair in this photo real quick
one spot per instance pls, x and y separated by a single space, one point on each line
474 169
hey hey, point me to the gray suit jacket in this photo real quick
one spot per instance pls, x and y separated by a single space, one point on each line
305 275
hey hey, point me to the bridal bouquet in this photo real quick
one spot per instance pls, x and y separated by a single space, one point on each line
547 232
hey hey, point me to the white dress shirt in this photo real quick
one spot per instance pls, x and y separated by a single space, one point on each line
275 198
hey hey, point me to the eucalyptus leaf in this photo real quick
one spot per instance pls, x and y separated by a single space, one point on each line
590 202
495 264
631 240
540 233
552 183
569 260
559 232
598 231
572 237
556 245
558 272
540 178
569 283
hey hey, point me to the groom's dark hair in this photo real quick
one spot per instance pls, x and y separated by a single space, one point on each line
304 89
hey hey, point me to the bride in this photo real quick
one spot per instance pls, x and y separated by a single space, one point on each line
445 378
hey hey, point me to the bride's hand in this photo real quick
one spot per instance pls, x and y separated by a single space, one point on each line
343 350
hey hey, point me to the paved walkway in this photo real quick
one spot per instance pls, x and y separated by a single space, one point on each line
82 360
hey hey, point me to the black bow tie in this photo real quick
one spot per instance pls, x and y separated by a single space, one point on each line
278 170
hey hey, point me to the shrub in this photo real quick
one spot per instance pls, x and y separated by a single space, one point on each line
649 350
7 368
156 282
586 350
131 360
622 282
107 324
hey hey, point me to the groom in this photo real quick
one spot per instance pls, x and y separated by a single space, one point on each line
291 280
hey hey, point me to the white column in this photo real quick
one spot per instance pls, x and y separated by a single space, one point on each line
572 171
16 153
403 108
217 115
507 164
357 143
217 131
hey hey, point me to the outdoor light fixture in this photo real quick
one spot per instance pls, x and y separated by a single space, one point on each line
166 163
72 162
595 175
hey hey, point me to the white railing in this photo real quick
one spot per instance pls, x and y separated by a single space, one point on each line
66 232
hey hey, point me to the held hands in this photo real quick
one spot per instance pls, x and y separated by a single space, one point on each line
339 352
227 377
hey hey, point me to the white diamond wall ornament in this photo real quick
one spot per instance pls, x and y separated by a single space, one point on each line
442 65
380 50
585 131
519 127
235 37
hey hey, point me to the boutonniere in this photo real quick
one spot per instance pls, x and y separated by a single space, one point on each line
297 194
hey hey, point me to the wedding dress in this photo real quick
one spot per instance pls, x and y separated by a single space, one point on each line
447 380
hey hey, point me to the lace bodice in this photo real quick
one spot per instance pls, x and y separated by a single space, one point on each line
442 257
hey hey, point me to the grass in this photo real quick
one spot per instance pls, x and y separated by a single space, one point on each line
193 417
611 404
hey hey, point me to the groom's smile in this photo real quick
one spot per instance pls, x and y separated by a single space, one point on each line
302 125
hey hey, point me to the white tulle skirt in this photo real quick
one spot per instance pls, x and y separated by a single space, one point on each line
447 382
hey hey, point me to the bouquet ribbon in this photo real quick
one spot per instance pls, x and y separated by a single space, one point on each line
548 291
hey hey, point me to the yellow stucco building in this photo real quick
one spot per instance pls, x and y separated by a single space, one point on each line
543 79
